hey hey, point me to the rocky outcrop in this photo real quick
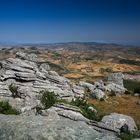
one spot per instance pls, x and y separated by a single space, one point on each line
4 90
25 73
69 111
40 128
115 89
96 91
116 78
116 121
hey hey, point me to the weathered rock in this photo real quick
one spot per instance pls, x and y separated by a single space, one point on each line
25 76
50 113
53 73
40 75
116 121
87 85
115 88
44 67
100 85
24 56
78 91
69 111
4 90
98 94
12 63
116 78
7 74
40 128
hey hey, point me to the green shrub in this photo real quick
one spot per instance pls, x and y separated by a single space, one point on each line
14 90
132 85
137 89
129 136
83 105
6 108
48 99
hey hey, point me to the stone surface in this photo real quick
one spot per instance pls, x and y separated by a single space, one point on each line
97 94
69 111
115 89
87 85
116 121
41 128
100 85
44 67
24 56
78 91
116 78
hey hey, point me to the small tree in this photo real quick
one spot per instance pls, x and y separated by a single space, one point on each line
6 108
48 99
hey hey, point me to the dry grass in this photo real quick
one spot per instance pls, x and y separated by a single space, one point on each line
126 104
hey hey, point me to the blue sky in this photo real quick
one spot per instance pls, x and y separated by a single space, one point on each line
48 21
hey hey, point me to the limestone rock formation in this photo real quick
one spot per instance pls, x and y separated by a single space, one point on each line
116 78
116 121
42 128
25 73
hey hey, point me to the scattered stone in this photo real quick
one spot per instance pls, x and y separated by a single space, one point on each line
137 94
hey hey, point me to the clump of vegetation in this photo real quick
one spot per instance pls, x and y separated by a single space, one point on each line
84 106
137 89
14 90
6 108
132 85
48 99
129 136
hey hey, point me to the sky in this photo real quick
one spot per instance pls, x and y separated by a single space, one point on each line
53 21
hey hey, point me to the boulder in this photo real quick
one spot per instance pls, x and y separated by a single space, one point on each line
97 94
87 85
116 78
13 127
116 121
100 85
115 89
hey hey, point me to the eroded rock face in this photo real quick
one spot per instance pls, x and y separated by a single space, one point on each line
116 89
42 128
30 57
25 73
116 121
